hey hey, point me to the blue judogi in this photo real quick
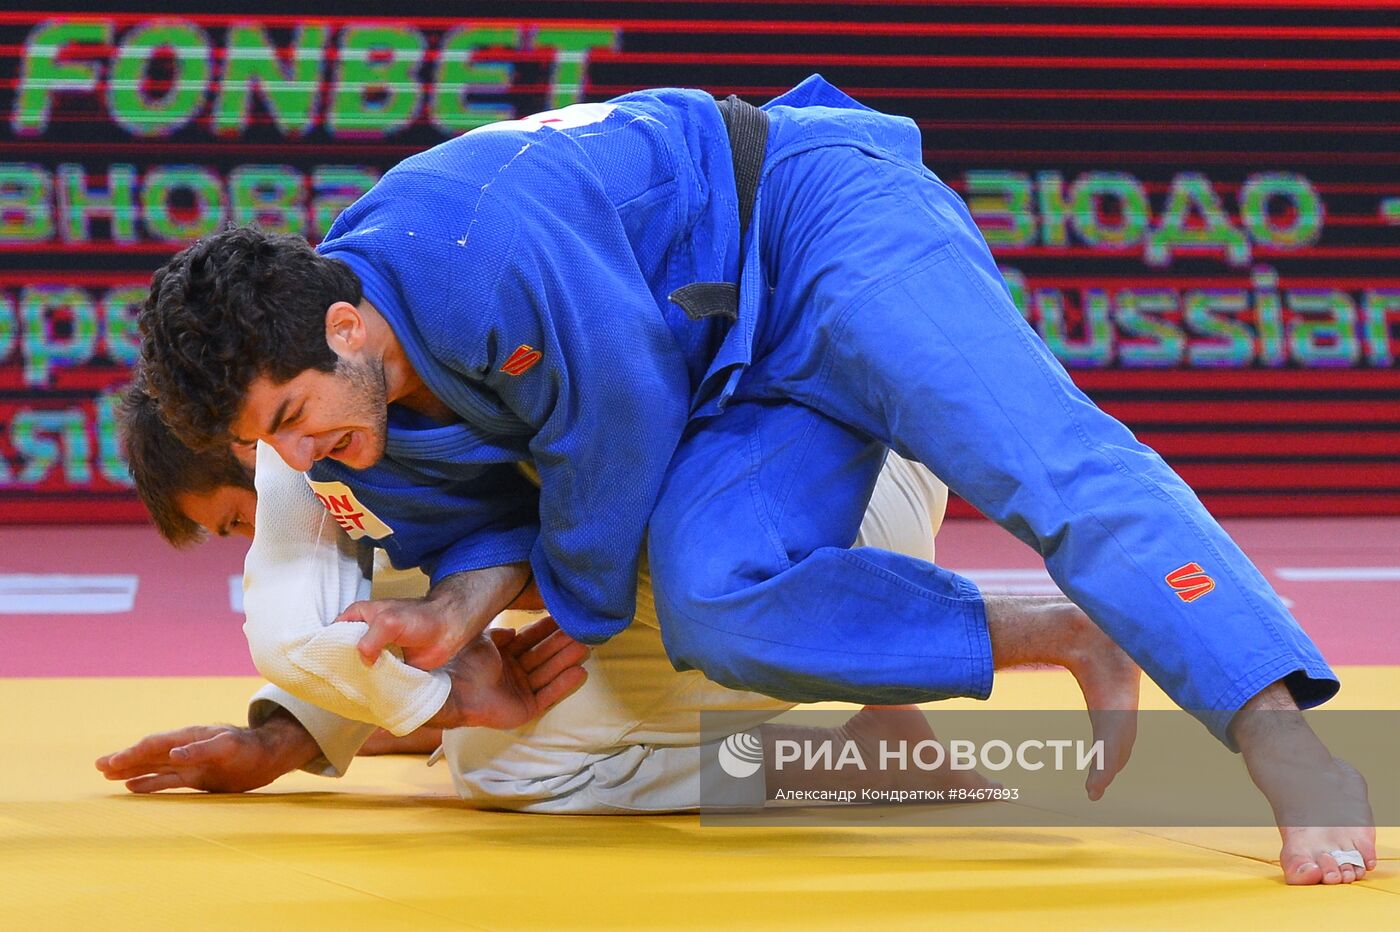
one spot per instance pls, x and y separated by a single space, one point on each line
526 269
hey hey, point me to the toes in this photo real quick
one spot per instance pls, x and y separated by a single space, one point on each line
1331 870
1303 872
1367 847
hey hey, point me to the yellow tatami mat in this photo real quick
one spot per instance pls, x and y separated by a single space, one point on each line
389 847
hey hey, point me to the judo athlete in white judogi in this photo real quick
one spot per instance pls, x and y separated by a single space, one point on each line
627 741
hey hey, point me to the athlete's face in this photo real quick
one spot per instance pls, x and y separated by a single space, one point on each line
224 510
341 414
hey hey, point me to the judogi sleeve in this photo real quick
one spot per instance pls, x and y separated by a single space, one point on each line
299 574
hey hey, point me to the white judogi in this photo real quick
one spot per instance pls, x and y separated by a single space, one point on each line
627 741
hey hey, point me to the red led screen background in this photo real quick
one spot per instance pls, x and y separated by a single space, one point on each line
1196 204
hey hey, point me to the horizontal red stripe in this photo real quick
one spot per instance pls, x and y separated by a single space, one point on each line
15 277
1275 443
1313 504
1213 380
1147 126
1067 62
759 92
1294 478
1173 156
544 55
1176 5
1242 280
119 509
1260 252
794 27
958 183
1234 505
1280 410
96 247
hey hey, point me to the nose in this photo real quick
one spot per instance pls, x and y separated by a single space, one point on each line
298 452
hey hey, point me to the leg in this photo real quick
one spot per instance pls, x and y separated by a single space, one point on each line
1320 802
889 316
929 354
755 584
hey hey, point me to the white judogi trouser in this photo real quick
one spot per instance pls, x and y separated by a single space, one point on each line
628 740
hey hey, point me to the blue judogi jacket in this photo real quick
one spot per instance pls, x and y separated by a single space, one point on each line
563 235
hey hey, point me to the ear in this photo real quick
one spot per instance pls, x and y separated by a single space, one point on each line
345 328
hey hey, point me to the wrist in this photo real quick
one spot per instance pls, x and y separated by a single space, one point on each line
474 597
288 741
449 716
489 588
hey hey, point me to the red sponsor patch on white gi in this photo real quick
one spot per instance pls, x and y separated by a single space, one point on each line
353 517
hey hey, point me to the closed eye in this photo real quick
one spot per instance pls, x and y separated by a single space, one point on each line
291 419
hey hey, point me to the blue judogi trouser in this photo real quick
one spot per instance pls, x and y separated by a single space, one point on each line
889 325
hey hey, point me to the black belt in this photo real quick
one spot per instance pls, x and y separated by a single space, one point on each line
748 141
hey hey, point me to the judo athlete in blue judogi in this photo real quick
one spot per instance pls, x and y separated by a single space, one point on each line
870 315
705 326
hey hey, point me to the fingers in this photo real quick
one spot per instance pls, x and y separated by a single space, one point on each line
151 751
425 633
382 632
537 656
362 610
533 633
561 687
156 782
385 627
209 750
569 655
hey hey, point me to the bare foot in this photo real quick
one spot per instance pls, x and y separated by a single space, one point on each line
1319 801
895 723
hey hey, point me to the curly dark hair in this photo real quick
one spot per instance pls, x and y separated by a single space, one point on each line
228 309
164 468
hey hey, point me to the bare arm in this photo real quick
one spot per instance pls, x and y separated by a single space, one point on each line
430 631
214 758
